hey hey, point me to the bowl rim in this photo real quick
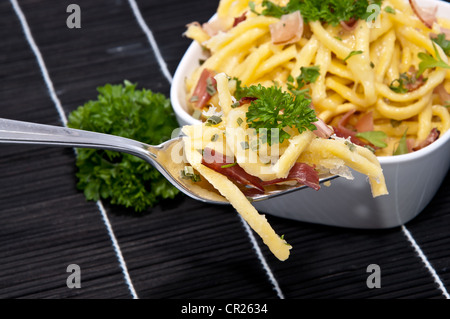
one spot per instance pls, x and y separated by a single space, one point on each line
180 111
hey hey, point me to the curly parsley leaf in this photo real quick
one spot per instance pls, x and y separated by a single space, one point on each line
121 178
275 109
329 11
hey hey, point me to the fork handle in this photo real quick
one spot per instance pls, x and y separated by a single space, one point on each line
19 132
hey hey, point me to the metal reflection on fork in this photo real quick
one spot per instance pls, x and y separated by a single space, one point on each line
19 132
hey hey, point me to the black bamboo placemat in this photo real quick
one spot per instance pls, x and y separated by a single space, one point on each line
179 248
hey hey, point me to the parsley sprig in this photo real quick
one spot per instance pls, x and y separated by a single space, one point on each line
276 109
121 178
329 11
430 62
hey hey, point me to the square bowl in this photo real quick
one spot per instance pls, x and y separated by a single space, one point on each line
412 179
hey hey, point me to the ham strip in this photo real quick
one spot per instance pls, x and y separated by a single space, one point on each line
201 96
302 173
433 136
224 165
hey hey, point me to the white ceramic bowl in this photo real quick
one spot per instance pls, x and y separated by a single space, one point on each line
412 179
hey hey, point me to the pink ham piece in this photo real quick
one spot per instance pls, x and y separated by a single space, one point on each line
433 136
365 123
323 130
288 30
240 19
302 173
200 96
246 100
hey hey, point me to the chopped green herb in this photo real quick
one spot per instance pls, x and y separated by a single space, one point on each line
395 123
197 114
402 147
120 178
389 9
228 165
210 87
239 121
235 105
194 98
370 148
215 137
254 145
375 137
245 145
188 173
350 145
213 120
372 65
352 54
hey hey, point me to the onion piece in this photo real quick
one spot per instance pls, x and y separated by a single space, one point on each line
349 25
323 130
426 15
212 28
288 30
444 96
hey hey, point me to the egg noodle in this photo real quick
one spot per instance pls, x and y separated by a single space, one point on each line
362 75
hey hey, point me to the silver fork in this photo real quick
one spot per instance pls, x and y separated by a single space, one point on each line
19 132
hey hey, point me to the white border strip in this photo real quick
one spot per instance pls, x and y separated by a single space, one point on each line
151 39
425 261
40 61
167 74
63 118
261 258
